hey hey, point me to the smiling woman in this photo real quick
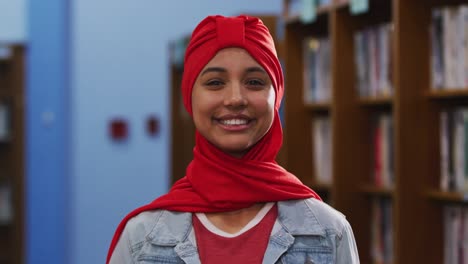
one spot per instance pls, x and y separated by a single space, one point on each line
235 204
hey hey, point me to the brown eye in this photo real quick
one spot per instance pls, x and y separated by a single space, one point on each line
214 84
255 83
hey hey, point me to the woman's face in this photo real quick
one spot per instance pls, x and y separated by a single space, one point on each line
233 101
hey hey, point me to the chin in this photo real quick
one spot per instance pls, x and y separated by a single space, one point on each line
236 151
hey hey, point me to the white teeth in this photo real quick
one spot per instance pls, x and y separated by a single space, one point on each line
234 122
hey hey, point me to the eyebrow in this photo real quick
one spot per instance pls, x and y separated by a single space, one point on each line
222 70
213 69
255 69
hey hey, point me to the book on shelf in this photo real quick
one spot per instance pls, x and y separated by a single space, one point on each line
454 149
317 72
322 149
4 122
381 231
445 149
6 204
373 61
382 147
449 47
455 234
437 47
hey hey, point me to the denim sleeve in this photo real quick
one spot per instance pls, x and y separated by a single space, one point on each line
122 253
347 252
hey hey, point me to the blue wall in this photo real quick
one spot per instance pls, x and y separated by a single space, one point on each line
47 121
13 20
91 61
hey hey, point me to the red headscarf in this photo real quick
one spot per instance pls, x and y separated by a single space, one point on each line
216 181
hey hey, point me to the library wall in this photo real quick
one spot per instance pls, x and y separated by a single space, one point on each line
14 20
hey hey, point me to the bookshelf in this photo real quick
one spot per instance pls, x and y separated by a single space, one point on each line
12 153
412 107
182 128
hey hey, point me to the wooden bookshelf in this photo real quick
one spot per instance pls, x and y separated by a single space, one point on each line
324 190
182 128
322 187
12 157
380 101
318 107
371 190
448 93
414 107
448 197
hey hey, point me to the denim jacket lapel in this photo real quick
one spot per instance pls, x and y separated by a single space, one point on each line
187 249
279 243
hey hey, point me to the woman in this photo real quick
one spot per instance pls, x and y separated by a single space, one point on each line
235 204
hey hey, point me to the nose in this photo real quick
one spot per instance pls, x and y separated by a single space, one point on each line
235 96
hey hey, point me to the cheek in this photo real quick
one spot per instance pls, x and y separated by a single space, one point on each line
265 109
270 107
196 107
267 103
203 106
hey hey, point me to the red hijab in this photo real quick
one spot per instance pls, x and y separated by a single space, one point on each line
216 181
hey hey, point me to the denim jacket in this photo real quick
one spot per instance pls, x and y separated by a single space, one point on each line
306 231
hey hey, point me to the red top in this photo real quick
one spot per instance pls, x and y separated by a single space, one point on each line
247 248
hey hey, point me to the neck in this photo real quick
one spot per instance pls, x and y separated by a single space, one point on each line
233 221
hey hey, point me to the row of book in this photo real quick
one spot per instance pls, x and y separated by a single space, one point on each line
382 151
322 149
381 231
373 61
4 122
317 70
449 47
455 235
454 149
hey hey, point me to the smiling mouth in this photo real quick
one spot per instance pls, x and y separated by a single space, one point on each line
234 122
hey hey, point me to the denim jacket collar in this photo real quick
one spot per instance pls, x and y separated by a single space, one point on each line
299 219
171 228
296 217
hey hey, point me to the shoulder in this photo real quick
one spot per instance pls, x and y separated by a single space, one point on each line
159 226
161 229
314 214
133 236
139 226
327 216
